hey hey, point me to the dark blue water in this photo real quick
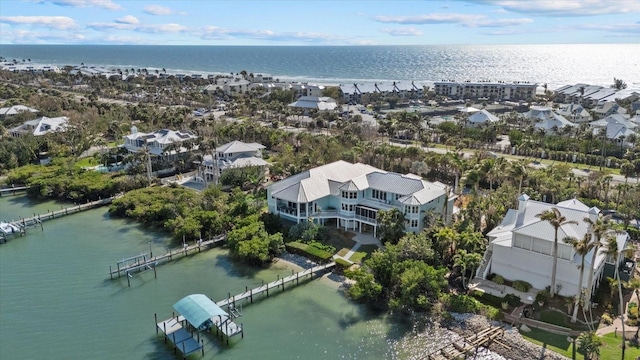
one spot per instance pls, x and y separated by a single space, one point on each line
555 64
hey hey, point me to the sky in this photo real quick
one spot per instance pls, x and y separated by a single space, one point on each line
309 22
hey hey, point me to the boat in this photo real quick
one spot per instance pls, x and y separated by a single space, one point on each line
9 228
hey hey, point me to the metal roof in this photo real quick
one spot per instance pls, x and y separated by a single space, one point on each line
238 147
197 309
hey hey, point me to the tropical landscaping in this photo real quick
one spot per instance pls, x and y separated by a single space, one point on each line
426 273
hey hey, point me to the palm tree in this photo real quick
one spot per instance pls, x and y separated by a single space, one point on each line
634 285
601 228
611 249
518 170
582 248
557 220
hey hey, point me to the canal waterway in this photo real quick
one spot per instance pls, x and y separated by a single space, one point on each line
57 302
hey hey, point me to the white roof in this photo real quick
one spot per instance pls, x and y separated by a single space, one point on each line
164 136
469 109
482 116
248 161
546 119
314 102
41 126
525 222
619 119
239 147
332 178
15 109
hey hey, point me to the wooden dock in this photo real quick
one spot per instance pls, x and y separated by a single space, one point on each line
230 301
461 348
38 219
176 331
146 261
13 190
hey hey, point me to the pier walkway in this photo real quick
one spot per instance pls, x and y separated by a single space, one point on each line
146 261
37 219
230 301
460 349
13 190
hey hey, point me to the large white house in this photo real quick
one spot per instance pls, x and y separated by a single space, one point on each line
161 143
40 126
546 119
521 247
352 194
313 102
235 154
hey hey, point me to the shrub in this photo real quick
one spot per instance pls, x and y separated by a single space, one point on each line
342 263
543 295
310 251
497 279
521 285
606 319
513 300
633 311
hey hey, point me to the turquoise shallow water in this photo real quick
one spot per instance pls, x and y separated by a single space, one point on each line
57 302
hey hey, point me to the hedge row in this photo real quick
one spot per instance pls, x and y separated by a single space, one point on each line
308 251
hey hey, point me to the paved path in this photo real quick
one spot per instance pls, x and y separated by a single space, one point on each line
360 239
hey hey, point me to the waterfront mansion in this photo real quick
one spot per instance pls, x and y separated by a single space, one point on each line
353 194
521 247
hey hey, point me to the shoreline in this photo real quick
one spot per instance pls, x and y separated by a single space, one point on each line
456 328
316 80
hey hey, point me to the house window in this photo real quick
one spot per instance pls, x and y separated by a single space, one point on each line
377 194
347 207
411 209
522 243
349 195
414 223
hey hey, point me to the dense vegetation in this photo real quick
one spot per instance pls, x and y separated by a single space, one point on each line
189 215
409 274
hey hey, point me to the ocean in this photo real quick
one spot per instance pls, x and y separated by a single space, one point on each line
551 64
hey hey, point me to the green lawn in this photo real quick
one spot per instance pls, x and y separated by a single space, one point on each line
88 161
560 319
553 342
610 349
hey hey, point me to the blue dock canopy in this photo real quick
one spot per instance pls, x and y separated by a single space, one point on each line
198 309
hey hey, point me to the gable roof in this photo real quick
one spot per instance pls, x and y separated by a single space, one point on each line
314 102
239 147
41 126
16 109
339 176
482 116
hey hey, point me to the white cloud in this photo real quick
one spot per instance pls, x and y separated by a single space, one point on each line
53 22
403 31
145 28
105 4
429 19
20 36
615 28
565 7
162 28
216 33
129 19
500 22
158 10
452 18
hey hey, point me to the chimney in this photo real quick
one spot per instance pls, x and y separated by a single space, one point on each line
522 203
593 213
